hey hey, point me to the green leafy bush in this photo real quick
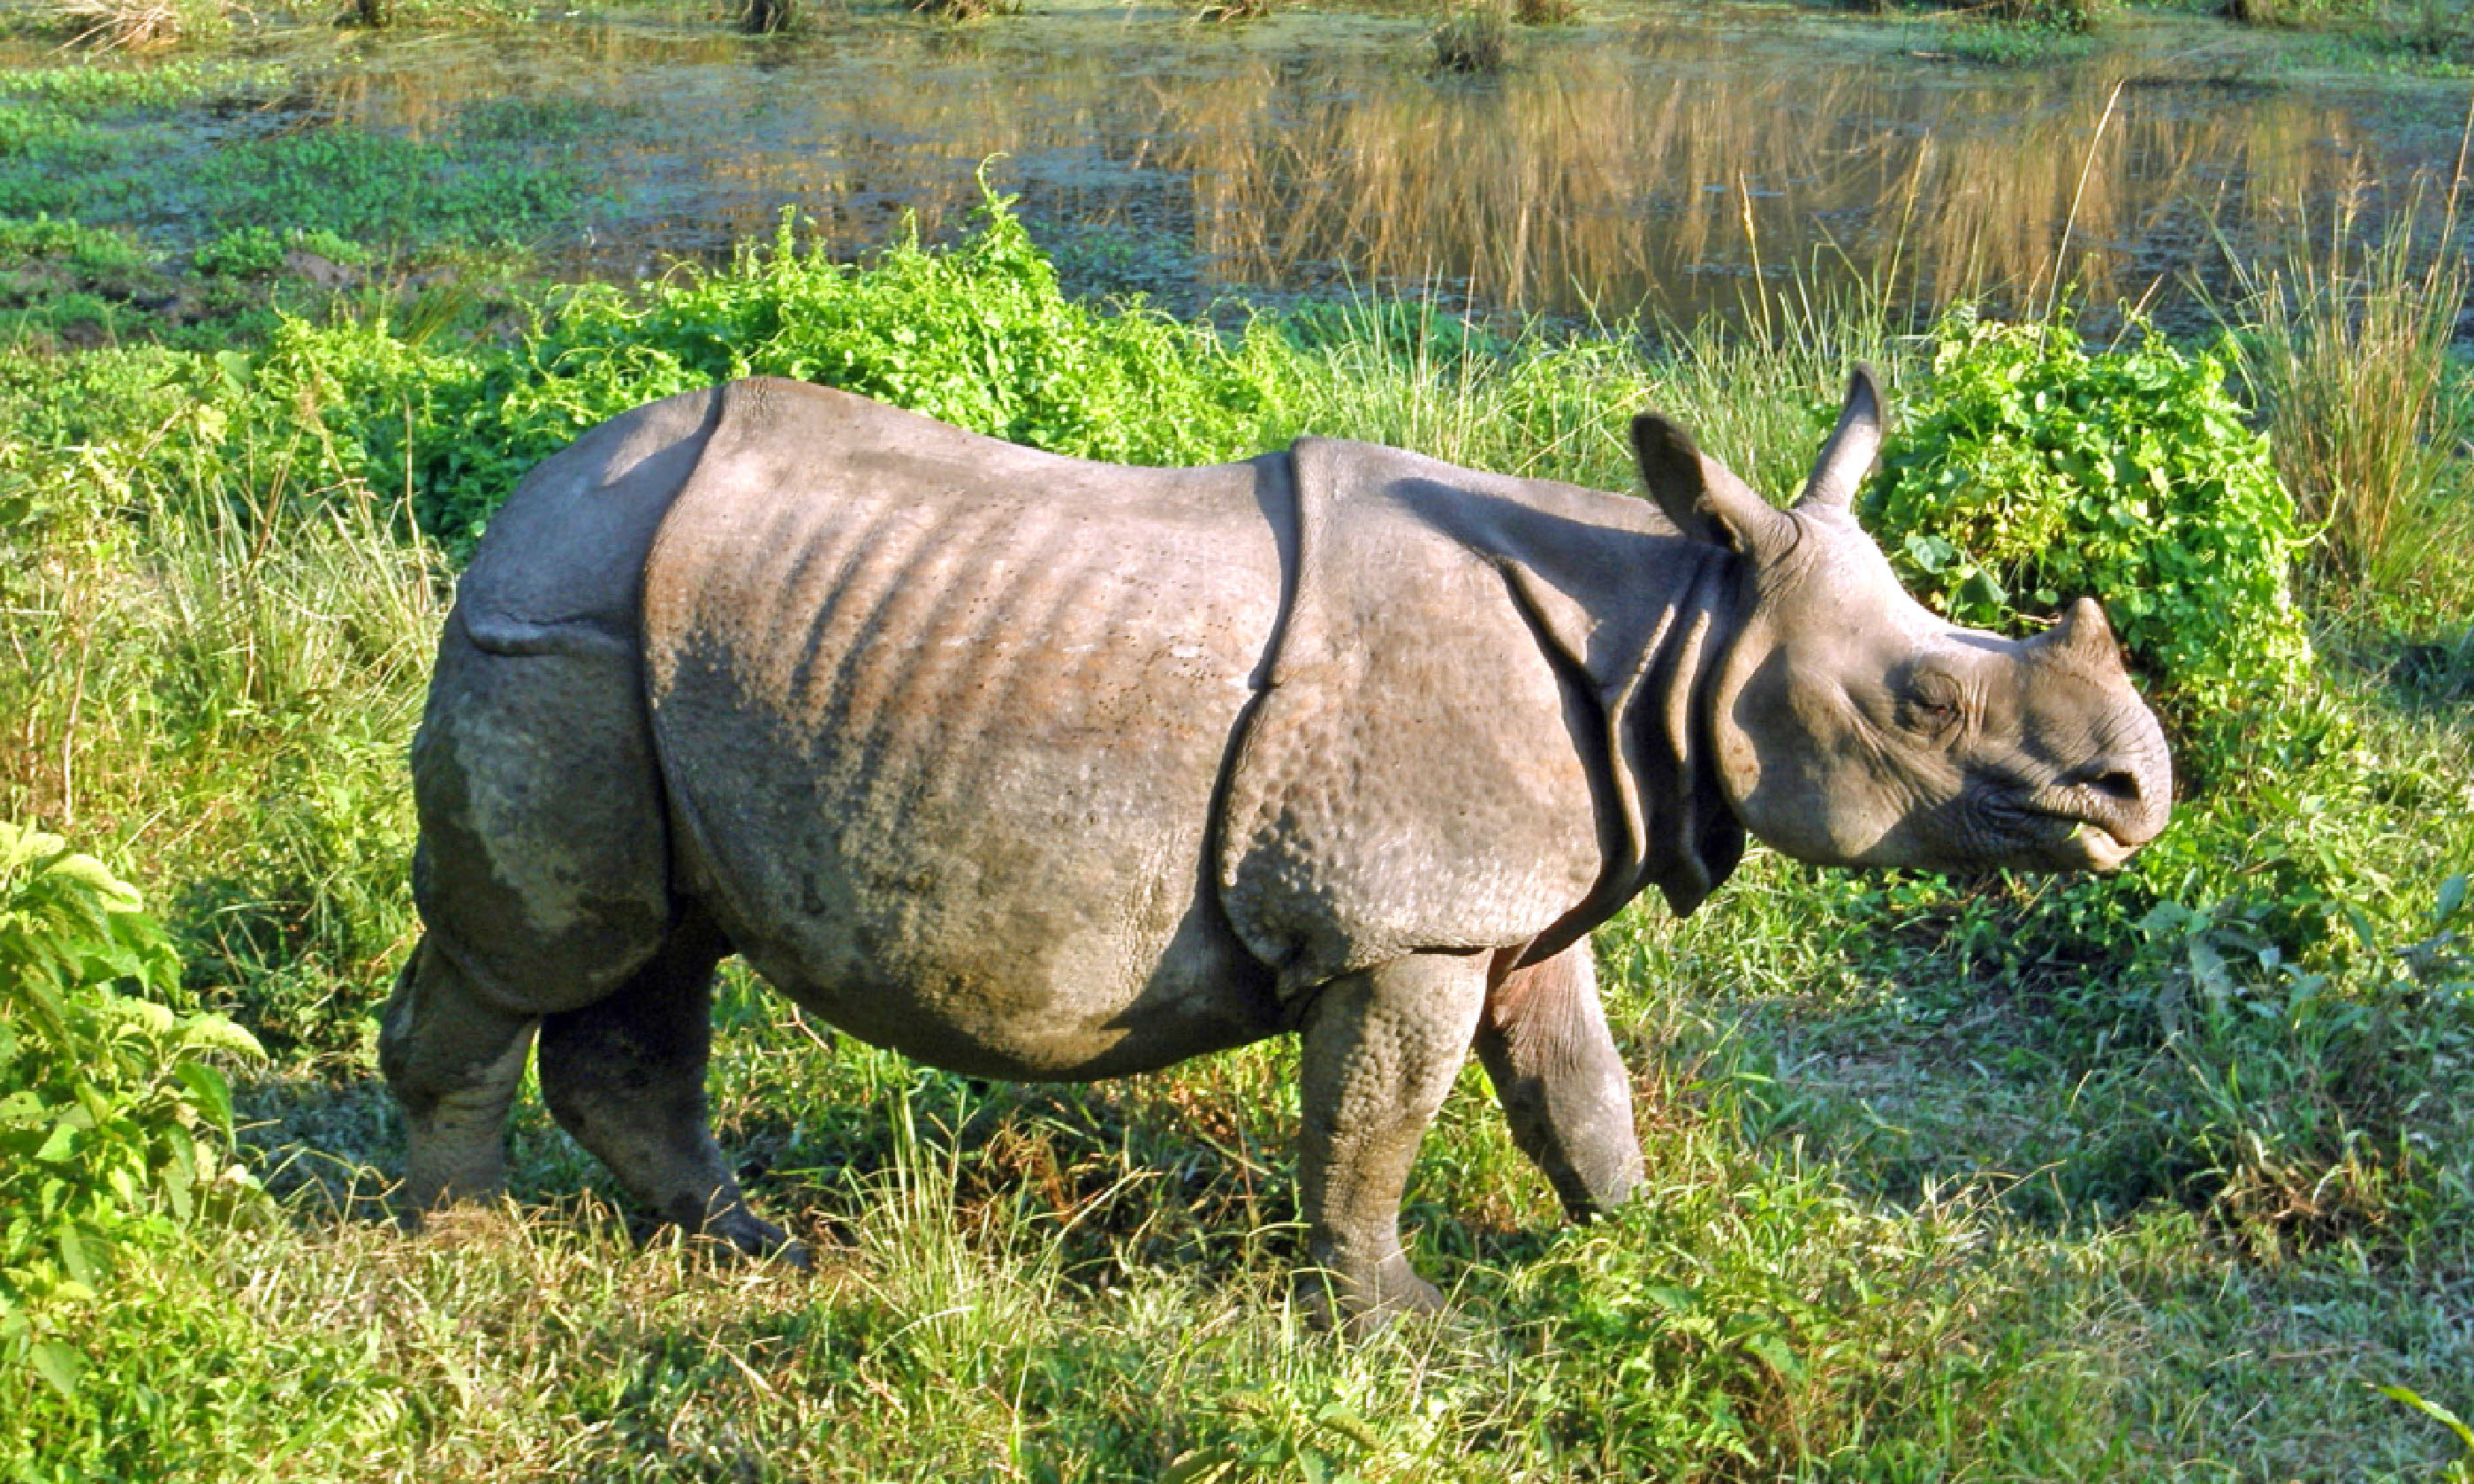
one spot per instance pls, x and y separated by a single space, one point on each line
2031 470
114 1120
980 335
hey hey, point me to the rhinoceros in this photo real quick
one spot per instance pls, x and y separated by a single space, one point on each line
1033 768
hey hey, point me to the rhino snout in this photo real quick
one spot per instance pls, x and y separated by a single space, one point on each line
2111 810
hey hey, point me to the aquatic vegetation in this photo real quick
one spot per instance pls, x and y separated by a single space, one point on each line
1472 37
966 9
135 25
1545 13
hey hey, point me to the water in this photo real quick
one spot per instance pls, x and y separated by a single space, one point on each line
1658 162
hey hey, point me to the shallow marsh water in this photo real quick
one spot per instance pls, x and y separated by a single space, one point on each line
1656 159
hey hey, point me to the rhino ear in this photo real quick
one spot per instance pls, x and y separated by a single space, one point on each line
1851 450
1699 495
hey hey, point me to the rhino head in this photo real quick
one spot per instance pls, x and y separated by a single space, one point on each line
1853 726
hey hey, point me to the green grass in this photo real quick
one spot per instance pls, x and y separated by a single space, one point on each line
2148 1178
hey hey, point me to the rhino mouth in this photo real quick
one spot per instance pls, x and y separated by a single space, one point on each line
2105 850
2077 843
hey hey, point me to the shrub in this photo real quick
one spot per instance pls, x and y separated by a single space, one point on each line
114 1117
2031 470
979 335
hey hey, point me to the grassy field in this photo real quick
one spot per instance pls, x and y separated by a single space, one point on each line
2157 1177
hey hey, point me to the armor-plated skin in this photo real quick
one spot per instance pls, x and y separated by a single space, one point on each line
1038 769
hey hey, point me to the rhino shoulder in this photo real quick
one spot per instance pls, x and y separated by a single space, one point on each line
1417 774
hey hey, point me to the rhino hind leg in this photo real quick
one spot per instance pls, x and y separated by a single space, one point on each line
625 1076
1381 1049
1563 1088
453 1058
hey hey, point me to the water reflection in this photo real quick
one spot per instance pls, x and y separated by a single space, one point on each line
1657 164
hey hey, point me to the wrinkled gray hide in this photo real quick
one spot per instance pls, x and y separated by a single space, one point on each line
1038 769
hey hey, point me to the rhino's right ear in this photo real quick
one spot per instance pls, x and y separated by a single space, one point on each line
1700 495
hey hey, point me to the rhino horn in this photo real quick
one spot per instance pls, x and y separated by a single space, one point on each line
1849 454
1703 499
2084 635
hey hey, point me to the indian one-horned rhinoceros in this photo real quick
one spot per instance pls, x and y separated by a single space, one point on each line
1033 768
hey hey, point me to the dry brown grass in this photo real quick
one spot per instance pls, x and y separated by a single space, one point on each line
2350 356
137 25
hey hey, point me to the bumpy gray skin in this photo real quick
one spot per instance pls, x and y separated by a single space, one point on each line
1038 769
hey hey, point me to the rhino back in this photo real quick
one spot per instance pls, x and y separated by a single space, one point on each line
943 719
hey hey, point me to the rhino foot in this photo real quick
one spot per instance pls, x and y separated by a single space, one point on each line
1364 1303
748 1235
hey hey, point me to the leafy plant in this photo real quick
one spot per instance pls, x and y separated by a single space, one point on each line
2310 1101
255 251
113 1114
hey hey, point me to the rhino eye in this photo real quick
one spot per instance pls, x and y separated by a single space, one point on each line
1931 706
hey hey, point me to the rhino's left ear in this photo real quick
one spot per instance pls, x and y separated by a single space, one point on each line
1703 499
1852 448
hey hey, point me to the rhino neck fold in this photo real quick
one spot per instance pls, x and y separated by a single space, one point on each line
1663 817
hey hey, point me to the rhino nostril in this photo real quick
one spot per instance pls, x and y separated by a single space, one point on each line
2117 785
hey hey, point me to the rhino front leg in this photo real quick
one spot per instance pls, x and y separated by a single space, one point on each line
625 1076
1381 1049
1563 1087
453 1058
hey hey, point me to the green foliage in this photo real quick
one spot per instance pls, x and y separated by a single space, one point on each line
2015 43
2308 1102
2031 471
43 236
88 88
377 187
255 251
980 336
113 1113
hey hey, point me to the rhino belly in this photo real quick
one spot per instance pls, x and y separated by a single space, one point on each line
943 753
